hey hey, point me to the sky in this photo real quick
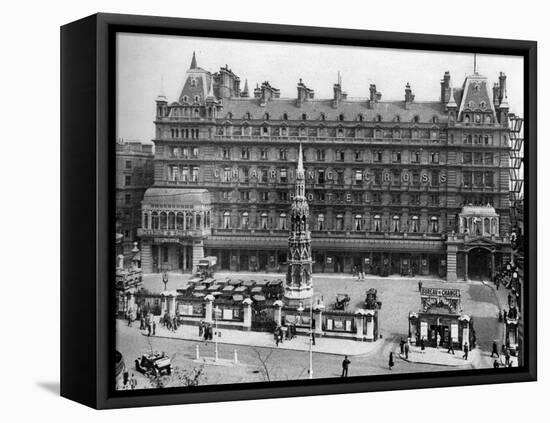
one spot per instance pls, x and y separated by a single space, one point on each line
148 65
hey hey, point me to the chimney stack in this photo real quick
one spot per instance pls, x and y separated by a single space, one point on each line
446 88
409 96
374 96
304 93
502 86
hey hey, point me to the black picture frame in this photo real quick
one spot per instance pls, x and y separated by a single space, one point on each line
87 208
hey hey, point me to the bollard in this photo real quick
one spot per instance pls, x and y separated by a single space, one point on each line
197 352
235 358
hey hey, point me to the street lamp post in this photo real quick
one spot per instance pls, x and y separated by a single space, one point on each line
300 310
216 311
165 279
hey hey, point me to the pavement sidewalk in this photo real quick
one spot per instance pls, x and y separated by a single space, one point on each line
263 339
439 356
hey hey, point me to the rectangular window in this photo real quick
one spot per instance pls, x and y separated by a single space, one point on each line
245 195
416 177
184 174
283 196
478 158
127 199
467 179
358 197
378 177
195 151
263 154
263 175
264 195
467 157
128 164
358 155
127 180
435 178
195 174
488 158
415 156
174 173
283 154
396 177
340 155
478 179
320 196
226 153
376 198
377 157
164 253
396 198
340 177
283 175
434 199
489 179
396 156
358 177
320 155
245 175
245 153
320 176
185 152
434 157
415 199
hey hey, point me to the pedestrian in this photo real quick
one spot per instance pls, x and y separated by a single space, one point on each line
125 377
495 350
422 344
466 349
495 364
141 323
504 315
407 351
312 338
507 357
437 340
154 327
509 300
390 361
133 382
276 336
345 366
451 347
419 286
201 328
148 329
474 338
500 315
401 346
497 283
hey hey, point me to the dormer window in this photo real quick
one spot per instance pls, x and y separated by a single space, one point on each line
476 88
193 82
197 98
435 119
185 99
266 116
247 115
229 115
378 118
397 118
285 116
416 119
482 105
470 104
304 116
341 117
323 116
360 118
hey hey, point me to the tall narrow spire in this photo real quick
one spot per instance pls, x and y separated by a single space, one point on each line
475 63
193 62
300 187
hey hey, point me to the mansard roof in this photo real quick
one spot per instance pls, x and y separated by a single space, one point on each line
351 109
475 94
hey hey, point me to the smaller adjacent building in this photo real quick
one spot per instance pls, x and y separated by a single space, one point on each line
174 224
440 320
134 174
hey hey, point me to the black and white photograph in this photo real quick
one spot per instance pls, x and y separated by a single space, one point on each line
290 211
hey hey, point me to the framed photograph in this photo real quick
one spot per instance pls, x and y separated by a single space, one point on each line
259 211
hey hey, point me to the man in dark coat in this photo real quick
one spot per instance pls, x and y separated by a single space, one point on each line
466 349
390 361
495 350
419 286
345 366
407 351
402 346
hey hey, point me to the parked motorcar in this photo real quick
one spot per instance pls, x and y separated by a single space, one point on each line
156 363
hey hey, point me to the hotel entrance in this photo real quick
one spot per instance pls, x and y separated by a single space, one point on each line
479 264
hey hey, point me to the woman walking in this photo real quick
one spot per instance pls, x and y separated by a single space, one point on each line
391 363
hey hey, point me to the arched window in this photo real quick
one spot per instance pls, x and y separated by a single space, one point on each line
179 221
163 220
358 222
339 222
282 222
155 221
321 222
226 220
198 221
482 104
414 226
395 224
467 118
434 224
171 221
266 116
486 226
188 221
197 98
244 220
285 116
376 223
185 99
247 115
263 223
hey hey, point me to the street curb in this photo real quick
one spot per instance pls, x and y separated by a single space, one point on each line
255 346
435 364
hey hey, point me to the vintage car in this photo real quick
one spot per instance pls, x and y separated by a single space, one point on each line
156 363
